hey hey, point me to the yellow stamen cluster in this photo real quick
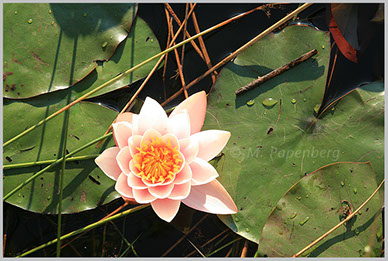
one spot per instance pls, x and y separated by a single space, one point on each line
157 160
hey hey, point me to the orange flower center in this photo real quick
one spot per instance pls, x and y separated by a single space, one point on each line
157 160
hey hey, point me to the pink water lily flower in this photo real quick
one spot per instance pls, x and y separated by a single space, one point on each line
164 160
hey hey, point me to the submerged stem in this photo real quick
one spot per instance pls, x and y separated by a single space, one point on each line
88 227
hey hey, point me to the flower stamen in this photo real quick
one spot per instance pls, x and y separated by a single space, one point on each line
157 160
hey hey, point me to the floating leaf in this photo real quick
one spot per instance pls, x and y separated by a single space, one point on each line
270 150
321 211
47 51
85 185
133 50
343 27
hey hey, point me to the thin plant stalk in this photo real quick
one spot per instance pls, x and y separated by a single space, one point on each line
245 249
229 252
208 242
88 227
54 164
111 214
184 32
203 47
257 253
222 239
215 251
179 65
46 162
130 245
196 248
339 224
242 48
4 241
184 236
61 178
168 20
178 21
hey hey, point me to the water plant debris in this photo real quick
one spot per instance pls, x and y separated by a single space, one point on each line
276 72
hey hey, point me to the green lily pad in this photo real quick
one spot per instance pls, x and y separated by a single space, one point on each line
85 185
272 148
49 47
327 204
140 45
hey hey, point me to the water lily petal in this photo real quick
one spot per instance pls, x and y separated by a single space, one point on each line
172 139
123 158
212 198
135 182
149 135
108 164
211 142
202 171
179 124
184 175
196 108
122 186
142 196
151 115
166 208
125 117
181 191
160 183
135 125
133 168
121 132
134 143
162 191
189 148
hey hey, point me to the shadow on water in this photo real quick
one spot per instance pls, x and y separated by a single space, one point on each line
309 70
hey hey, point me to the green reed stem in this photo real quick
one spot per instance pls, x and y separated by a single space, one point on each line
54 164
88 227
215 251
61 178
256 253
46 162
130 245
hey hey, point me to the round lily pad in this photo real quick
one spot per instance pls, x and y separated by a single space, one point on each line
85 185
49 47
317 203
